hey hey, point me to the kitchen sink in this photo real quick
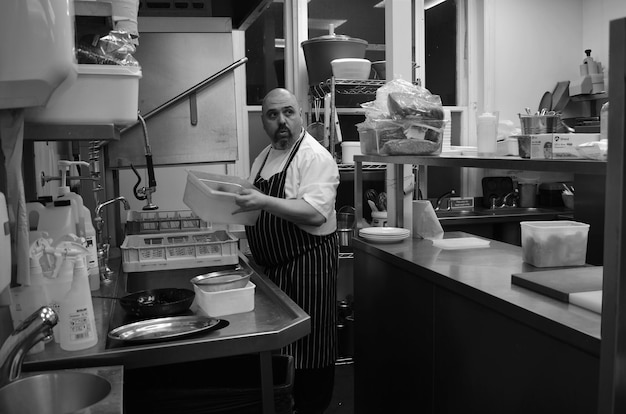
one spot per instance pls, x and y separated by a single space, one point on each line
498 212
54 392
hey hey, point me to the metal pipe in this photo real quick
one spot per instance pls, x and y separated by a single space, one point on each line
188 92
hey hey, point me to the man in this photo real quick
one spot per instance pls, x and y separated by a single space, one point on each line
295 238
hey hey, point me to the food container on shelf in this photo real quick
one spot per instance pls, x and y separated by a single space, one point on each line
101 94
423 137
348 150
226 302
320 51
351 68
554 243
212 198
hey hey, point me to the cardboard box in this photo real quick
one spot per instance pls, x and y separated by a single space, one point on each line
541 146
564 145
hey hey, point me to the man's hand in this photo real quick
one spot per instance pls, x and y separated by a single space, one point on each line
250 200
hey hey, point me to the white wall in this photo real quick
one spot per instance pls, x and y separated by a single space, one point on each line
538 43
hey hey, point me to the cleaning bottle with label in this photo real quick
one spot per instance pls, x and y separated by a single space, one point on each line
57 219
58 274
92 246
66 194
77 318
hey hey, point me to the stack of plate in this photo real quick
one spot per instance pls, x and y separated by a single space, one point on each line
384 234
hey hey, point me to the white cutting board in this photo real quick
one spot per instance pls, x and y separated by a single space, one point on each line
589 300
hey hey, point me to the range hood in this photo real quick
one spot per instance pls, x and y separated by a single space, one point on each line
242 12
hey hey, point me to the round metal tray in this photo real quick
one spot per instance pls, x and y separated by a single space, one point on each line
160 329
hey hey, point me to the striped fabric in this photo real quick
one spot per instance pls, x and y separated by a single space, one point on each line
304 266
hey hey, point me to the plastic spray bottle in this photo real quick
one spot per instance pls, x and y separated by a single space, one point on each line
77 319
76 200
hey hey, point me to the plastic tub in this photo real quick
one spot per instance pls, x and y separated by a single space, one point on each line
554 243
212 198
226 302
101 94
418 138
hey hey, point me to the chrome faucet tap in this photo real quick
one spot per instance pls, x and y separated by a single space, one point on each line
103 248
37 327
442 197
514 195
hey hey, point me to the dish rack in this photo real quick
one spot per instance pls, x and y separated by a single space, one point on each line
148 222
178 250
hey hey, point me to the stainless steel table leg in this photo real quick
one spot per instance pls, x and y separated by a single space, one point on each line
267 382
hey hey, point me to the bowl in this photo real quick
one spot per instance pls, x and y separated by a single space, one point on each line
222 280
158 302
568 199
351 68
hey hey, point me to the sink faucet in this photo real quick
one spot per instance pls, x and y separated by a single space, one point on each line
512 195
37 327
103 248
442 197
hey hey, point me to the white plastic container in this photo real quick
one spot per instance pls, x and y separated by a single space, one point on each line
57 219
226 302
487 134
101 94
77 319
554 243
92 246
212 198
348 150
36 51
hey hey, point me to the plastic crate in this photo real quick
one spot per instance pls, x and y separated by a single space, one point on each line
178 251
149 222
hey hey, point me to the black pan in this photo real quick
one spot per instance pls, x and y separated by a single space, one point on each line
158 302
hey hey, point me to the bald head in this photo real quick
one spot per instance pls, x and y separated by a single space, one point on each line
282 120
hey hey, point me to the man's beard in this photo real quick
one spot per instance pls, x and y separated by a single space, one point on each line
283 141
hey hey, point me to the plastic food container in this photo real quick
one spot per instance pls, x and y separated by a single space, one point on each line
101 94
226 302
212 198
554 243
351 68
418 138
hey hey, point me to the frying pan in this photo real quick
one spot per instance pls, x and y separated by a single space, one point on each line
157 302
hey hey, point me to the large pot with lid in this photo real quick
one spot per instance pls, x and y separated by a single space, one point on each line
320 51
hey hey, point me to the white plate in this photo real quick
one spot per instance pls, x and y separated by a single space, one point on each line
461 243
379 239
384 231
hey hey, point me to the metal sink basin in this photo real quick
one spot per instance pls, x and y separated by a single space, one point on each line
54 392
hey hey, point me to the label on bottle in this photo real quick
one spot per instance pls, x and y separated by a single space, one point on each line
80 327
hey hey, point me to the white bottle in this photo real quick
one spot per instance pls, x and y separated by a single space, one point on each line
92 247
78 322
76 200
57 219
58 284
604 121
487 134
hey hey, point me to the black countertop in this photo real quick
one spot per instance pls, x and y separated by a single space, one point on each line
484 275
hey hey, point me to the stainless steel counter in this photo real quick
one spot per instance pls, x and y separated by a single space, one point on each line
275 322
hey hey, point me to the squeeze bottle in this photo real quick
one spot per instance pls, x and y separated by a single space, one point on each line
487 131
77 319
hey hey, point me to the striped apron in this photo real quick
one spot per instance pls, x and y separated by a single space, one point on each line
302 265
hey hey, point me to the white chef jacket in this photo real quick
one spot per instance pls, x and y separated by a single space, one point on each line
312 175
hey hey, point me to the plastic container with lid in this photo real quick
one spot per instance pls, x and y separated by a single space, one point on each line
320 51
554 243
